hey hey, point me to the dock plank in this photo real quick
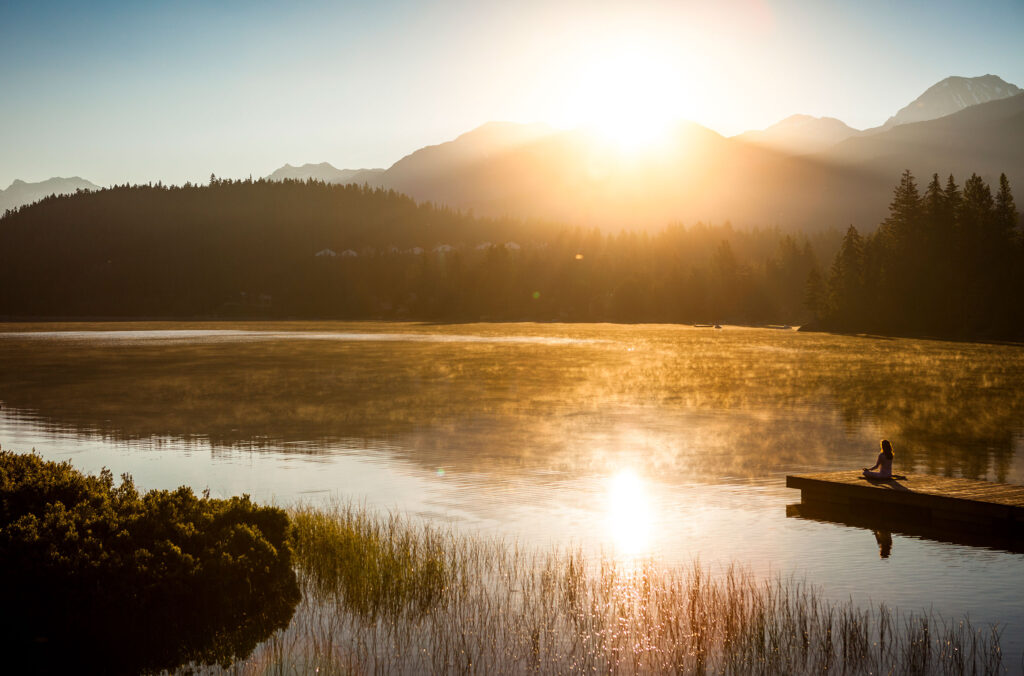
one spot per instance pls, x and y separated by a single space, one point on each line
931 497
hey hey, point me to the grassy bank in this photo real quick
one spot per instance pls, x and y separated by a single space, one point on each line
388 594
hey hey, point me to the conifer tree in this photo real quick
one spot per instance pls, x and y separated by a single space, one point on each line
846 280
1006 211
977 204
953 195
905 209
934 201
815 297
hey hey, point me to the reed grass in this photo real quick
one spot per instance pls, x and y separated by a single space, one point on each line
386 594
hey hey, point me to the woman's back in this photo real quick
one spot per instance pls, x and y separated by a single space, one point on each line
883 464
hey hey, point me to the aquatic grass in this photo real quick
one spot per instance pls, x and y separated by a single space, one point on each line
375 565
392 594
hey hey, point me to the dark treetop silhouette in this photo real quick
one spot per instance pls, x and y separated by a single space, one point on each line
945 263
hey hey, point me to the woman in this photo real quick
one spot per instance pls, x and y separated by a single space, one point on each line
883 465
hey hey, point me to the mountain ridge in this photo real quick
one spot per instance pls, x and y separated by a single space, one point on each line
20 192
951 95
324 171
801 134
802 172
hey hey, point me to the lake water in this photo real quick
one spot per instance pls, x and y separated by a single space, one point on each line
660 441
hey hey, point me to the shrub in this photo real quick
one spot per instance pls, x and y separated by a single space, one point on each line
93 573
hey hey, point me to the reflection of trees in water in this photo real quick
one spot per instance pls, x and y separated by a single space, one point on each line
950 408
693 402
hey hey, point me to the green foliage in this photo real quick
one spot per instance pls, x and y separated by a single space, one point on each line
948 263
94 573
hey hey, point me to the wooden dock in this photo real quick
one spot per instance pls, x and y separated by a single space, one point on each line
934 500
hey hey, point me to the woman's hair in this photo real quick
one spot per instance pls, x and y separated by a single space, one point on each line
887 448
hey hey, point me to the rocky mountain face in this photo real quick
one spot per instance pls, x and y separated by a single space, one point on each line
20 193
951 96
987 139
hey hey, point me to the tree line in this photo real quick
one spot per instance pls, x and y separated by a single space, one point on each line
249 248
948 262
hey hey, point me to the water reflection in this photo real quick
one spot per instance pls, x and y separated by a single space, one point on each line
883 525
493 399
629 515
884 540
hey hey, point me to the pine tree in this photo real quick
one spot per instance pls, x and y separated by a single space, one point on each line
953 195
815 298
1006 211
934 202
905 209
976 207
846 281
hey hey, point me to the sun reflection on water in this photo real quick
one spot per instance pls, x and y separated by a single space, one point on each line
629 514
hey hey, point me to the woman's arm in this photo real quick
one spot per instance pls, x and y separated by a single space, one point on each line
878 463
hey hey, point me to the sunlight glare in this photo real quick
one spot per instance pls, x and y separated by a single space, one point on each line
629 95
629 513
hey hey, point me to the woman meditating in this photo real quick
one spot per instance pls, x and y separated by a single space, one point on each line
883 465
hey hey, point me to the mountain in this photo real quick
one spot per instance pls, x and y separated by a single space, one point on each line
324 172
756 179
952 95
20 193
801 173
801 134
987 139
528 171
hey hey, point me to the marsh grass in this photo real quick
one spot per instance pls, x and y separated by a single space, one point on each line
379 567
389 594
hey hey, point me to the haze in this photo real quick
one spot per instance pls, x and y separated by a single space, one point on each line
119 92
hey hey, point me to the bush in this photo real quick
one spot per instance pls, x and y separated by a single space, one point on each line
95 574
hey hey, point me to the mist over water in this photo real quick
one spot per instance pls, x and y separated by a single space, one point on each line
639 441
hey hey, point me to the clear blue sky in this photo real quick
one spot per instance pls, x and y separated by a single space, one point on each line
117 92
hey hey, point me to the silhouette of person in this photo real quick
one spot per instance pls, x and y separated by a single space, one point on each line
884 540
883 464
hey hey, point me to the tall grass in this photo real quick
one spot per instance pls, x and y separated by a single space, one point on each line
388 594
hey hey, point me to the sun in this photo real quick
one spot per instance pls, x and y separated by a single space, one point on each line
628 94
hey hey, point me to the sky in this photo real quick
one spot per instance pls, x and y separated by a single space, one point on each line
120 92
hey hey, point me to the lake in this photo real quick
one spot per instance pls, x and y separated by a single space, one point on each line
634 440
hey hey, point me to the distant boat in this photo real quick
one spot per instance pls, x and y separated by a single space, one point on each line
718 326
702 326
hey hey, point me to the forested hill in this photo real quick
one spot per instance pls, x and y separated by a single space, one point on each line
306 249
